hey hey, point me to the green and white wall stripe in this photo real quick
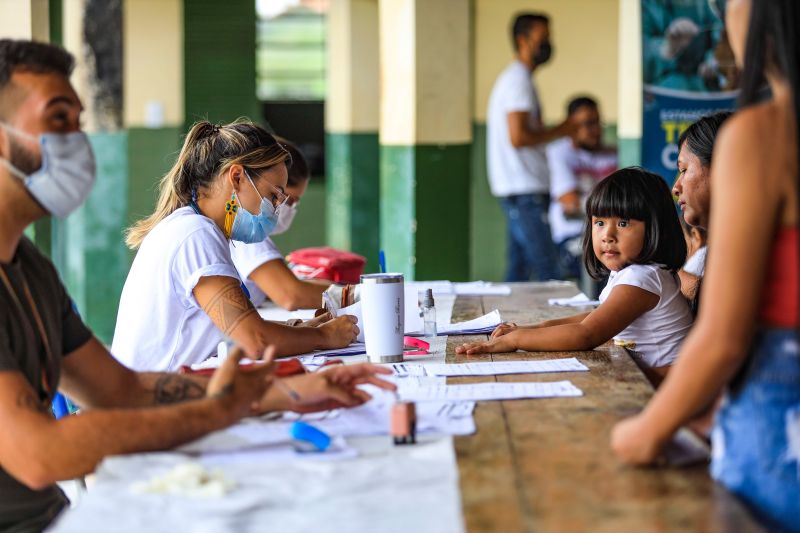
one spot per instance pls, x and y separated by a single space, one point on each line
351 127
629 128
425 137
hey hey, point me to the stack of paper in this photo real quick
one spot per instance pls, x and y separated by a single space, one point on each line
489 368
442 417
579 300
481 288
472 288
477 326
491 391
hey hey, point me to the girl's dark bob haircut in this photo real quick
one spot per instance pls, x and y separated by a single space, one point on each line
635 193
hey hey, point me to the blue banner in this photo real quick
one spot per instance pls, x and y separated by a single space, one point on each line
667 113
688 72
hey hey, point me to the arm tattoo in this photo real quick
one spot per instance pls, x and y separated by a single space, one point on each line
228 307
171 388
26 400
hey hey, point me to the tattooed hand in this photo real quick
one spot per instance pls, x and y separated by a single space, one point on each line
240 388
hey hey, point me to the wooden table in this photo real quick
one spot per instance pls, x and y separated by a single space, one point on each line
546 465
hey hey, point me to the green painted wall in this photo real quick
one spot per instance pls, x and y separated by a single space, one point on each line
220 60
630 152
352 161
96 261
425 210
487 222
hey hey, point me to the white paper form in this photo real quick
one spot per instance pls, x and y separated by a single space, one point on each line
579 300
372 418
505 367
278 314
491 391
477 326
481 288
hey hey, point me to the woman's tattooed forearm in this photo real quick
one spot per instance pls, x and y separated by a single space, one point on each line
172 388
228 307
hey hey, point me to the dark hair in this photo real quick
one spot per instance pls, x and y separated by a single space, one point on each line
635 193
772 39
32 56
298 170
700 136
523 23
579 102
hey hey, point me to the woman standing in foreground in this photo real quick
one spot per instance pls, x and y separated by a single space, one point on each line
746 336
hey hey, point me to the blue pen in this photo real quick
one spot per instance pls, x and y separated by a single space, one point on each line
382 261
309 438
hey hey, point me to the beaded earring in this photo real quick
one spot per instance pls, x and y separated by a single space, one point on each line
231 206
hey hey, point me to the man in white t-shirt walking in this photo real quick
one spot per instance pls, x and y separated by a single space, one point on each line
577 163
517 164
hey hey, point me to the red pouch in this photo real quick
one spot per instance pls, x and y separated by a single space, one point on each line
327 263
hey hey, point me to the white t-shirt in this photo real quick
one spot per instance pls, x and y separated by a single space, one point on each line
696 265
160 325
655 337
248 257
573 169
514 170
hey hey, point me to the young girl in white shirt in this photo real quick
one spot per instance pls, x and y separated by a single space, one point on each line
633 235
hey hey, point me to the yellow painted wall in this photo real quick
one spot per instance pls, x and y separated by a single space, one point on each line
585 40
24 19
352 99
630 76
153 60
425 72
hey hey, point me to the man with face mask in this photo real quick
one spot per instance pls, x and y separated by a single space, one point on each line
576 164
517 164
47 167
261 265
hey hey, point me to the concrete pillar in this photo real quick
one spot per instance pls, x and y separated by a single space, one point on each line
629 127
351 128
25 19
425 137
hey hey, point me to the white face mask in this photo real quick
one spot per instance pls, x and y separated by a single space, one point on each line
67 174
285 218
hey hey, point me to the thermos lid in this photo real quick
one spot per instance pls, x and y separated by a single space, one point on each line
382 278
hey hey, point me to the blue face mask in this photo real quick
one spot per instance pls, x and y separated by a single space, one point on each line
249 228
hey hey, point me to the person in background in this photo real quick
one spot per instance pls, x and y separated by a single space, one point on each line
183 295
633 236
47 167
577 163
517 163
261 265
692 188
747 337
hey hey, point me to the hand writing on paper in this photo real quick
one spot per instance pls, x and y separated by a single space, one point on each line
240 388
333 387
340 332
505 343
318 320
634 442
503 329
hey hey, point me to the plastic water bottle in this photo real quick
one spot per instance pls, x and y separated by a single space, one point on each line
429 314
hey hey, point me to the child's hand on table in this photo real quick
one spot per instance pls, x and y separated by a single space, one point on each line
505 343
503 329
